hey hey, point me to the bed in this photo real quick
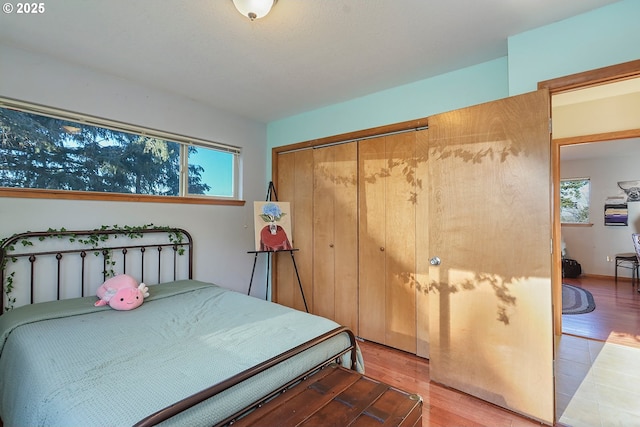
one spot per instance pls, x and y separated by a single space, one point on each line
192 354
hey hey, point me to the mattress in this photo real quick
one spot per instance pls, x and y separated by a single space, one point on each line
68 363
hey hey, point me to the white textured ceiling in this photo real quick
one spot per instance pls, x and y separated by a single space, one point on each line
302 56
601 150
604 149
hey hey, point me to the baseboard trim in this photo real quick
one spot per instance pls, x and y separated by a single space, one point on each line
606 277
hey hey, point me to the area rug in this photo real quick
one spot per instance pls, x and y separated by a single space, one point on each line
576 300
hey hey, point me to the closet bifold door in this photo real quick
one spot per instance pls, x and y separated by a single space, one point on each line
421 279
387 240
335 238
490 307
295 185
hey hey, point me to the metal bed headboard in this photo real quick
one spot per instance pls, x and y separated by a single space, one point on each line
113 246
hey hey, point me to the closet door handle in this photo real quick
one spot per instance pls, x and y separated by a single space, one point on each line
434 261
330 245
381 248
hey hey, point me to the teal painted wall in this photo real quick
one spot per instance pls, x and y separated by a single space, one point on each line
606 36
474 85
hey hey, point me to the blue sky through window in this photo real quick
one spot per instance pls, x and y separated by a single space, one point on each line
218 170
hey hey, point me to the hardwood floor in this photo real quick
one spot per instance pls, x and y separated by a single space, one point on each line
441 406
616 320
597 379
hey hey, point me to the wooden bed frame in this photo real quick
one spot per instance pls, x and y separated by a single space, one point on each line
131 244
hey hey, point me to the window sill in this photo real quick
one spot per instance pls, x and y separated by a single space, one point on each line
572 224
30 193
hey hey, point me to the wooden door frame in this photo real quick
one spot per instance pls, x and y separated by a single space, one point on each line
582 80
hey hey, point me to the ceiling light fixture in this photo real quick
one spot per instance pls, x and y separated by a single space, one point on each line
254 9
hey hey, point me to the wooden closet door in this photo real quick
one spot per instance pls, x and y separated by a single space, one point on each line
295 185
335 228
372 225
387 234
421 280
491 332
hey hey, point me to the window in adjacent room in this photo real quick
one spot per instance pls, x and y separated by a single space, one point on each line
574 200
42 148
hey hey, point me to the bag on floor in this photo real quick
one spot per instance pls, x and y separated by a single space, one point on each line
571 268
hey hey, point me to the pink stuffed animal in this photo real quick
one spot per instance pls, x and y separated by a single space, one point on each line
122 292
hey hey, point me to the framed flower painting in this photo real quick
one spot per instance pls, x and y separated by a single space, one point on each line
272 226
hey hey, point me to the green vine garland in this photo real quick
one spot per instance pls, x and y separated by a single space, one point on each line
95 241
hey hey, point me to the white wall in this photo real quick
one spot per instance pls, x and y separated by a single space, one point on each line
590 246
222 234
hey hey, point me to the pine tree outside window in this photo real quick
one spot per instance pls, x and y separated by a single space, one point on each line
575 200
42 148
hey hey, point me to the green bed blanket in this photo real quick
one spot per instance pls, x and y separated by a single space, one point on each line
68 363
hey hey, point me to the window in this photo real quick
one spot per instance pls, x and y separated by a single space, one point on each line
42 148
574 200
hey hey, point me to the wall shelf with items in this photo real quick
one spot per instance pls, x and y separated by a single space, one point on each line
616 214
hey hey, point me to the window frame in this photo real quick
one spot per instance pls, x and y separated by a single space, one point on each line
183 197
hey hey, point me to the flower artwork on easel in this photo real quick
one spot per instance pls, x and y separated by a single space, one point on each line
272 226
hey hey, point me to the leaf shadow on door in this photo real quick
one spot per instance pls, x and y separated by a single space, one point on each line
417 192
504 154
505 299
478 156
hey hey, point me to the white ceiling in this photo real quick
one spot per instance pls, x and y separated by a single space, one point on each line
604 149
302 56
597 92
600 150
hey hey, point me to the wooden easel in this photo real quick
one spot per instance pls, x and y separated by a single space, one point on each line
271 195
